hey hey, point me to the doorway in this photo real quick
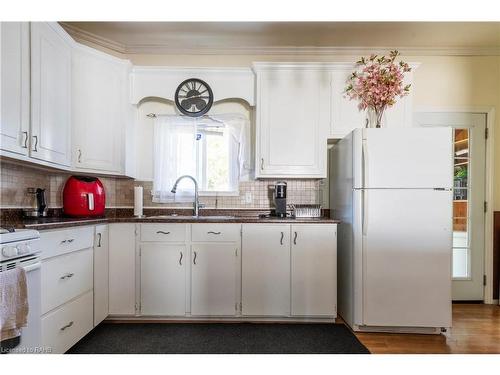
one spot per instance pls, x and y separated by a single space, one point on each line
469 192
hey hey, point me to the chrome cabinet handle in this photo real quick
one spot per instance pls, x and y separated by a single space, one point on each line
99 235
36 143
79 156
67 276
71 240
261 163
180 259
295 238
211 232
162 232
195 255
281 239
25 145
67 325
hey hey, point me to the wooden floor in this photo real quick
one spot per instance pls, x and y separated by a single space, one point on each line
476 329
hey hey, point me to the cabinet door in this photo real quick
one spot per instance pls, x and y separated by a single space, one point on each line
345 113
265 270
99 87
293 117
163 279
50 94
314 270
213 279
101 273
122 269
15 89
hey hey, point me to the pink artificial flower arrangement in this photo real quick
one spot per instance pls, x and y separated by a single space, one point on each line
378 84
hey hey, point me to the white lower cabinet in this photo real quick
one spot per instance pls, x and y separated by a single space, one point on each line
122 269
163 279
65 326
265 270
213 279
314 270
101 273
67 287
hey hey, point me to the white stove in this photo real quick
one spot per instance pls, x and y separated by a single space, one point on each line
20 249
18 243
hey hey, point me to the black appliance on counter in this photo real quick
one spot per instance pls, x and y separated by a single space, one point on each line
280 199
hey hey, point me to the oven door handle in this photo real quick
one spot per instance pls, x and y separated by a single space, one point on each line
32 267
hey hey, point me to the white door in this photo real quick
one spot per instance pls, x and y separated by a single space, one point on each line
99 87
122 269
163 279
407 158
293 117
101 273
406 257
50 94
213 279
265 284
15 87
314 270
469 198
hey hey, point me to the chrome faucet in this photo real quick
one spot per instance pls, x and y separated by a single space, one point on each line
196 204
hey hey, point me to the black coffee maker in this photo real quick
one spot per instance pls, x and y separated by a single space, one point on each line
280 199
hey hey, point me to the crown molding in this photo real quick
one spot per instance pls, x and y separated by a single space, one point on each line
84 37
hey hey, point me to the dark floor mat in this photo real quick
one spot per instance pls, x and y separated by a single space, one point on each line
219 338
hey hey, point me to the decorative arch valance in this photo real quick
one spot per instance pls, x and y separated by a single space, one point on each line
226 83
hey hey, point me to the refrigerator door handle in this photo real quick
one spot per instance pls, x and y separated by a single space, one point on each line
364 213
364 150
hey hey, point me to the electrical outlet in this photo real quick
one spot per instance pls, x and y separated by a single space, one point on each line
248 197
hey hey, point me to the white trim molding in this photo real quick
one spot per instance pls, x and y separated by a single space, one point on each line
490 188
83 36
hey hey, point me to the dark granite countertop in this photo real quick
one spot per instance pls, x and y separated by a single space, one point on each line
57 221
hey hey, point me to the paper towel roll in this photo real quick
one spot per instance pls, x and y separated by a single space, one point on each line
138 201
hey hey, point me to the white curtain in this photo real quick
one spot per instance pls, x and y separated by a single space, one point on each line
175 153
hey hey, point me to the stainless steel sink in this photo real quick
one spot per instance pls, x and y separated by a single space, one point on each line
186 217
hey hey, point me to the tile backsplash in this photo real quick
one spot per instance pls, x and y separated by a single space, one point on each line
16 178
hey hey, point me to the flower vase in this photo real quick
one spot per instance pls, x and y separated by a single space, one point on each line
374 119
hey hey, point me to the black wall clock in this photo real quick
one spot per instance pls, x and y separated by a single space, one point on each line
194 97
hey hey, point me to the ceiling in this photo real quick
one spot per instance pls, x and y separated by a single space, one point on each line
482 38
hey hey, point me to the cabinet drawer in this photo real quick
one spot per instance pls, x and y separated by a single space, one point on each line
215 232
62 328
58 242
65 277
163 232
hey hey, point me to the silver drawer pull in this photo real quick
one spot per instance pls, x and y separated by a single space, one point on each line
195 255
281 239
162 232
180 259
211 232
295 239
67 276
71 240
67 326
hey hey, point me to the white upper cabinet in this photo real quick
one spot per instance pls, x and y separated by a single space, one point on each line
292 120
345 115
50 93
100 110
15 89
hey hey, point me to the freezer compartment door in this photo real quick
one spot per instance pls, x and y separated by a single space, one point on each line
407 245
407 158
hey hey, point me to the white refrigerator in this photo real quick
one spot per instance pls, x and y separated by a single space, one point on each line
392 190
